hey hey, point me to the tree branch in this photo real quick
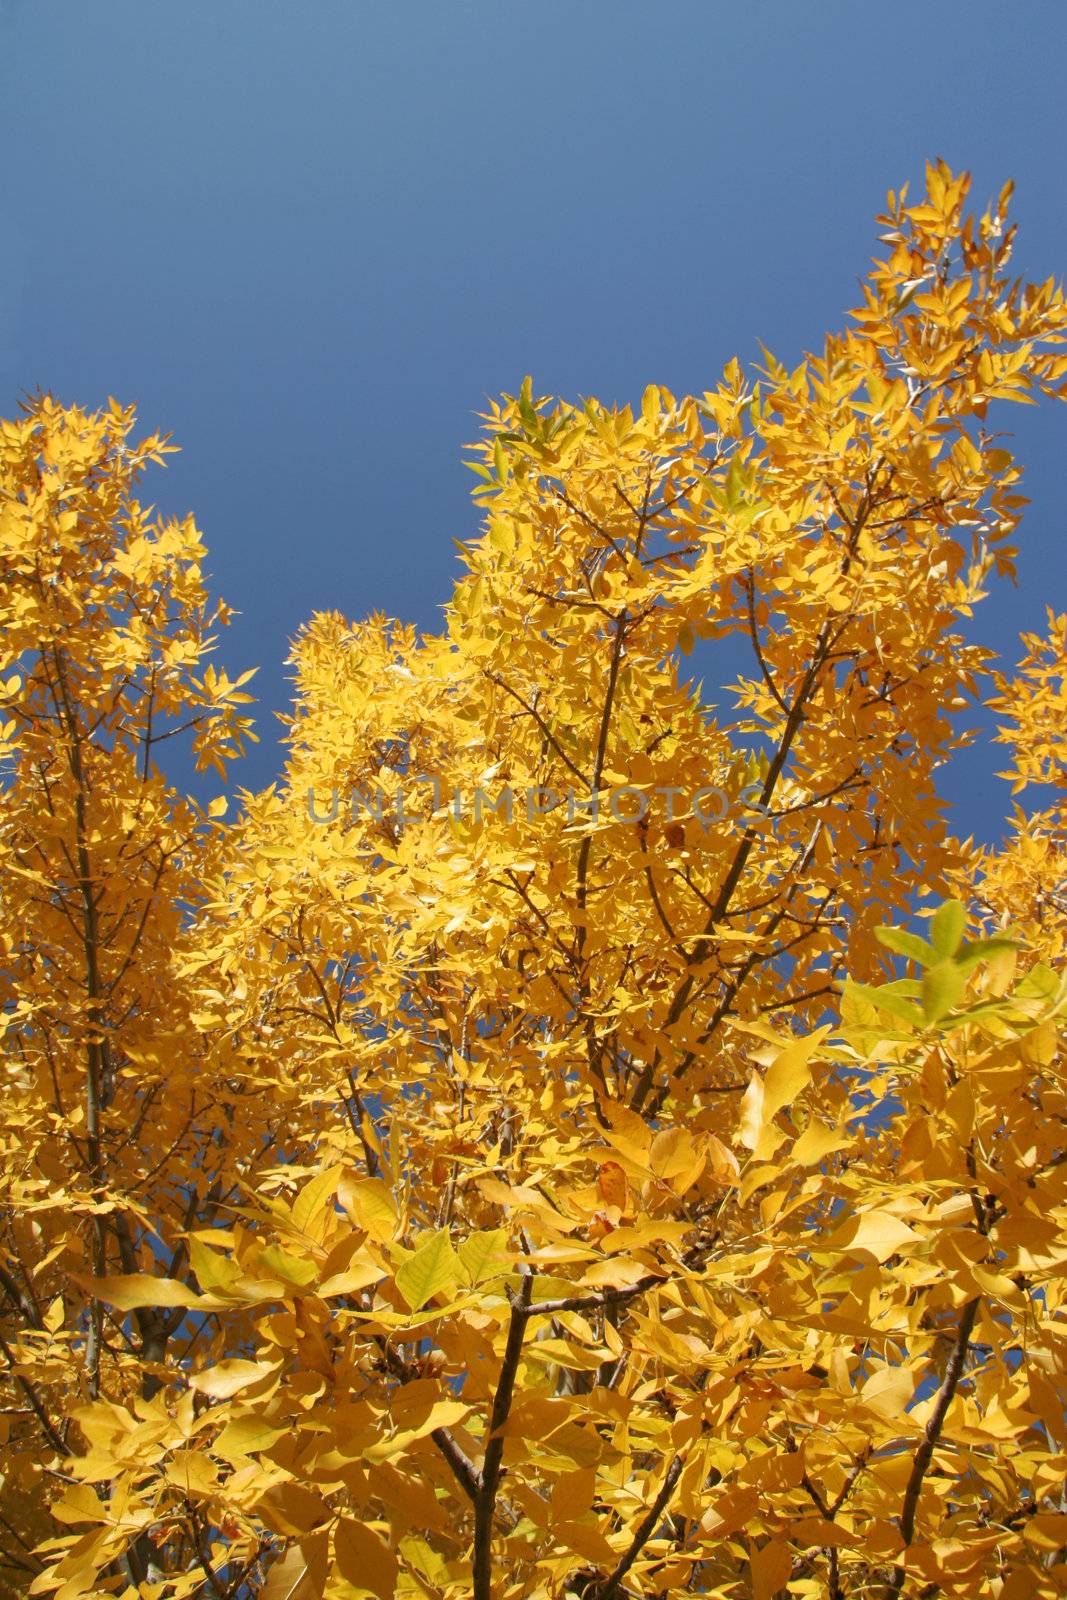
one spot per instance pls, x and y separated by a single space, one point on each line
485 1500
646 1528
932 1433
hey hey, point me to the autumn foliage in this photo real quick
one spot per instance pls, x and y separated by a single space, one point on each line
566 1137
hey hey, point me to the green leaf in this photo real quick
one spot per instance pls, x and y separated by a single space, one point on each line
736 482
433 1269
970 955
1040 983
527 412
484 1255
889 998
946 928
943 987
907 944
290 1269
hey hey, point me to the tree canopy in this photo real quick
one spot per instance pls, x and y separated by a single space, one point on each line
566 1136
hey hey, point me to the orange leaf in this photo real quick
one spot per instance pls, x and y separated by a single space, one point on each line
613 1187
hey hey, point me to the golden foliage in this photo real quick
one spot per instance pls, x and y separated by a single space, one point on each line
522 1154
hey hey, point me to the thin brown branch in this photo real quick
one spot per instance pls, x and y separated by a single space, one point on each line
932 1433
465 1472
485 1500
52 1434
646 1528
532 711
594 1302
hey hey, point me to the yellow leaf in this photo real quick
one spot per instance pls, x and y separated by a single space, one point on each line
815 1142
616 1273
443 1414
193 1473
888 1391
370 1206
244 1436
587 1541
751 1118
675 1158
137 1289
293 1270
484 1256
364 1559
292 1509
213 1269
770 1568
79 1503
311 1207
230 1377
361 1271
432 1270
722 1161
790 1072
560 1353
877 1233
291 1578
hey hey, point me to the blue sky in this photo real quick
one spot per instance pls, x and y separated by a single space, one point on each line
310 240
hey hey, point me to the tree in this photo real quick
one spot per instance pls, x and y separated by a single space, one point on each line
524 1154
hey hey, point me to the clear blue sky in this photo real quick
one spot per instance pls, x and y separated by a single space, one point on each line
309 240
